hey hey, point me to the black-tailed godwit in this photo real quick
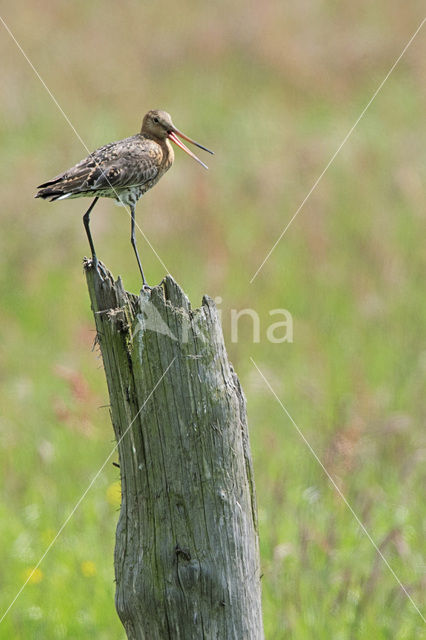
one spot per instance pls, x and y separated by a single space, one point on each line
123 170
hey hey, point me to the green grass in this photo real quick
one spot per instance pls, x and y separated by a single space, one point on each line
273 91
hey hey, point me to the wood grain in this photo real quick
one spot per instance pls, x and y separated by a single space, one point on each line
186 556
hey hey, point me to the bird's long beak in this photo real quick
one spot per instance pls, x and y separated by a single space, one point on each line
173 135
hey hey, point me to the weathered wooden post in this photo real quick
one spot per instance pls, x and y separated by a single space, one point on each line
186 555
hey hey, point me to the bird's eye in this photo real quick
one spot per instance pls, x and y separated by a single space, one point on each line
156 120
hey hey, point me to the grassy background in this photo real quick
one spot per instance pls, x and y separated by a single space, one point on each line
273 88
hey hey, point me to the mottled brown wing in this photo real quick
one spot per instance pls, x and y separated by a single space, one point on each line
130 162
127 171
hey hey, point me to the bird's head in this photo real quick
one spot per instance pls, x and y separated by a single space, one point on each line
159 126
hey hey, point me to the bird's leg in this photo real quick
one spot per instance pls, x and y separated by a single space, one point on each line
86 221
133 241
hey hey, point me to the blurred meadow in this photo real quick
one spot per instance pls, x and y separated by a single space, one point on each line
273 88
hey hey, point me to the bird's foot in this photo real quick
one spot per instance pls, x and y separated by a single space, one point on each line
103 270
100 269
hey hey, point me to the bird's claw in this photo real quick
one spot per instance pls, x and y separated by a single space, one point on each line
103 270
100 269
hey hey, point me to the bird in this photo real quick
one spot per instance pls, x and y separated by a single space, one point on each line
123 170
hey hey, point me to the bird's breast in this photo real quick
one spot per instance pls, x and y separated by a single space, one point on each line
168 155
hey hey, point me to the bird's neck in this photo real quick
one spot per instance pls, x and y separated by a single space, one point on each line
168 153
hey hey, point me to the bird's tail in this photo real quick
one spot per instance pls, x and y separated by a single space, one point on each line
53 189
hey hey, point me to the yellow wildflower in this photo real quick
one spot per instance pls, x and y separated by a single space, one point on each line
88 568
113 494
34 576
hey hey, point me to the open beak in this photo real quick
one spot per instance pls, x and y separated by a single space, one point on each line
173 135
